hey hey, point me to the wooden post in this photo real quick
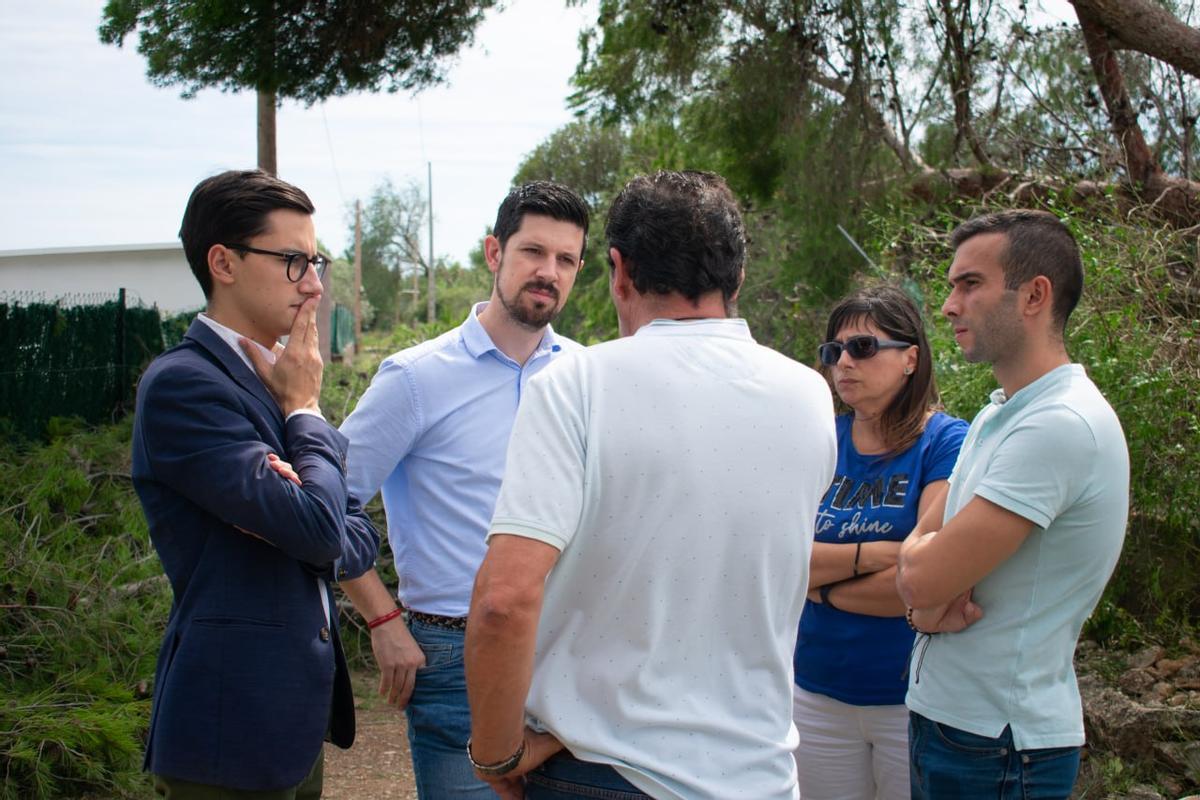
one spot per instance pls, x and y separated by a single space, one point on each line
431 291
357 275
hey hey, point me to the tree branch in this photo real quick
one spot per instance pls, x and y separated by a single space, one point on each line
908 159
1147 27
959 57
1140 164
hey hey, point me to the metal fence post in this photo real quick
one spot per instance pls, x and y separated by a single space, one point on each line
122 376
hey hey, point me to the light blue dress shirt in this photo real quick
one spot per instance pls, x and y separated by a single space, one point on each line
432 432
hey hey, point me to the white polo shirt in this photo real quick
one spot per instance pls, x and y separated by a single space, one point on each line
679 472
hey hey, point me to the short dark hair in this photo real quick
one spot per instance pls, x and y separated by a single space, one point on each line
679 232
543 198
894 313
1038 243
232 208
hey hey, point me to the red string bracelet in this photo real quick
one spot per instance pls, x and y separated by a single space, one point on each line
388 617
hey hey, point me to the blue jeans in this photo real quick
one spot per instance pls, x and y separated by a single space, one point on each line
439 720
950 763
563 777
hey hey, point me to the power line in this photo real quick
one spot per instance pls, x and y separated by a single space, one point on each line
332 159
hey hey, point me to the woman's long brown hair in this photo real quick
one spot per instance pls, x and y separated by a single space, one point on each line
894 313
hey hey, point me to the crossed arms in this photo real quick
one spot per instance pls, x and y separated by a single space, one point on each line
873 590
938 567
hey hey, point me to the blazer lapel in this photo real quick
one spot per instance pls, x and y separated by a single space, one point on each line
207 338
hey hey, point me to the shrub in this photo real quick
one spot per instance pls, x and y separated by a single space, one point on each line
83 608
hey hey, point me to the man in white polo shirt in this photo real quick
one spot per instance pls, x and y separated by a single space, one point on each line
1033 524
656 514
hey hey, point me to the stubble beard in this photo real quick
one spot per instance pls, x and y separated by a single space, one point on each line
530 316
998 335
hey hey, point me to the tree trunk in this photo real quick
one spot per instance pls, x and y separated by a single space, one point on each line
1145 26
1140 164
266 132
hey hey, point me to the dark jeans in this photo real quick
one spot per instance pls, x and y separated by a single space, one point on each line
563 777
950 763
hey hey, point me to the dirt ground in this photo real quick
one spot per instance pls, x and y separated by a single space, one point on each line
378 765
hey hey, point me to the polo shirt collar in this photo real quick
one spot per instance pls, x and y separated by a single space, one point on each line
727 327
477 341
1028 394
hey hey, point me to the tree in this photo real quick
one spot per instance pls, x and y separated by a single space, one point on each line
968 96
393 220
1150 28
584 155
308 50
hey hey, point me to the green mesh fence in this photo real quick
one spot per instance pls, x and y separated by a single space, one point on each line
341 329
64 360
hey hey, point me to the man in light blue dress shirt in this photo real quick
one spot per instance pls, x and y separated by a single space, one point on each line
1005 574
432 432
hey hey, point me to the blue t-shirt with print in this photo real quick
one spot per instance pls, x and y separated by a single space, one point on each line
855 658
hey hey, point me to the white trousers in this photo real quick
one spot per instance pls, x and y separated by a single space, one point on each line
850 752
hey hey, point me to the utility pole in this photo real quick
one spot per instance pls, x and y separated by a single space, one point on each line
430 290
357 275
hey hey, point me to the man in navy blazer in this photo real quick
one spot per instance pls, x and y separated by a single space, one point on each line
251 678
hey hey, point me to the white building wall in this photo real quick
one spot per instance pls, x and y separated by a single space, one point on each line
154 274
151 274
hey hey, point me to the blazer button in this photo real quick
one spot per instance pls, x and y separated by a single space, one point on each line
324 634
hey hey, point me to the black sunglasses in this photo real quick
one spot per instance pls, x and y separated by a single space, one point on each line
296 263
859 347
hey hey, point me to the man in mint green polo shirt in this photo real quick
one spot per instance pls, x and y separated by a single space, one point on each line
1003 577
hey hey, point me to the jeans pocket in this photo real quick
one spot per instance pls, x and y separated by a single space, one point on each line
971 743
439 655
1049 773
1048 754
442 647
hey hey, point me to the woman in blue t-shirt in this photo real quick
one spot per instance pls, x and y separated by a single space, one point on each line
895 452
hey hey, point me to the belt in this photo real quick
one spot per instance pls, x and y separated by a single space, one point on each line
437 620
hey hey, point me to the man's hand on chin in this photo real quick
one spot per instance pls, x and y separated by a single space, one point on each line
294 380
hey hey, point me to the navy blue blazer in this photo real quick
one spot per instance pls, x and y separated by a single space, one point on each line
251 675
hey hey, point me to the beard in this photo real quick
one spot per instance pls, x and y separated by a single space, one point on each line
533 314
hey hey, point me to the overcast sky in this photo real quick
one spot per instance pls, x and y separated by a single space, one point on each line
92 154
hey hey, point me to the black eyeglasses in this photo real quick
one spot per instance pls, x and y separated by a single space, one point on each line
297 263
859 347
